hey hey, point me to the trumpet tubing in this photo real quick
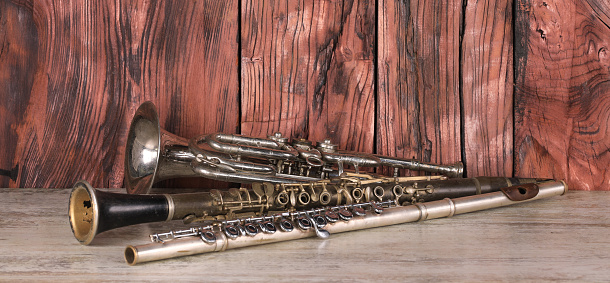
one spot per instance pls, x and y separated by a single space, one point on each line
300 157
323 222
153 154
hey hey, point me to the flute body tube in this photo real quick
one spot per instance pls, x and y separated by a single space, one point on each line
228 234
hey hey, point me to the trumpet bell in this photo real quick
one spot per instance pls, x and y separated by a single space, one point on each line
153 154
143 149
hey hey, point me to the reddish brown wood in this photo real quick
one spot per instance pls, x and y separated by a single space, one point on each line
418 63
95 62
307 70
72 74
487 88
185 55
18 50
562 93
59 136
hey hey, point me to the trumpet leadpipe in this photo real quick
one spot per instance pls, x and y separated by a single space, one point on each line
455 170
322 222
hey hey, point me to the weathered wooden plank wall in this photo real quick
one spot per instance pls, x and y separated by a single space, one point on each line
74 72
419 71
487 88
308 70
425 79
562 91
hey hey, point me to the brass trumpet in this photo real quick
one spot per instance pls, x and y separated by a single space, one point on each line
93 211
153 154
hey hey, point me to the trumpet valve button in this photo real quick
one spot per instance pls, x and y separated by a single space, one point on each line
326 146
277 137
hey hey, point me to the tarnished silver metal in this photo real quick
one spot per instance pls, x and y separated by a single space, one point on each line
392 214
93 211
301 158
153 154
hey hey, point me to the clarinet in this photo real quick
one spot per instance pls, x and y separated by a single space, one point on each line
93 211
322 222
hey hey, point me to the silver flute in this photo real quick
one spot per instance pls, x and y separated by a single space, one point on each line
286 226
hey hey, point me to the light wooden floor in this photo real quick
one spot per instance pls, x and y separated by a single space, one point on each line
564 238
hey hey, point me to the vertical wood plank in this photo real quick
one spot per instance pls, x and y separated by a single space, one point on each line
18 51
487 88
69 124
186 53
418 63
562 92
97 61
185 58
307 70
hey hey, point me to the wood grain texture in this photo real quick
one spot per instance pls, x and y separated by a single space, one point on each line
419 76
308 70
95 62
487 88
424 79
72 113
562 92
18 51
182 56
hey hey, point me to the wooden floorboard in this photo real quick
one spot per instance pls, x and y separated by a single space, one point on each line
563 238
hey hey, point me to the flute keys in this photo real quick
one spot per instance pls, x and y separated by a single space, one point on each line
268 227
319 220
303 223
208 236
331 216
377 208
345 214
359 211
286 225
251 229
231 231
